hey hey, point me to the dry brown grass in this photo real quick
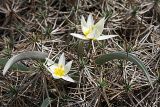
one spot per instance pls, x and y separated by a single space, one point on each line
45 25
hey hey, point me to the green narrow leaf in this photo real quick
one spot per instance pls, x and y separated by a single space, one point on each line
15 66
23 56
46 102
126 56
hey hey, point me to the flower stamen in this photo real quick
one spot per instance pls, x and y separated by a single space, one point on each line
59 71
87 31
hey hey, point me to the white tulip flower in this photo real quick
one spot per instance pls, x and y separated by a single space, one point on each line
92 31
60 69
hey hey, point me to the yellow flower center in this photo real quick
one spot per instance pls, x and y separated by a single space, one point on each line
87 31
59 71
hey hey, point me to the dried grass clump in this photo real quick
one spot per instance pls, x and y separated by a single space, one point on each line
45 25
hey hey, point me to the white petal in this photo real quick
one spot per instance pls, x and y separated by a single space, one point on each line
52 67
62 60
99 26
67 78
92 34
49 62
78 36
84 29
83 22
55 77
68 67
106 37
51 71
90 20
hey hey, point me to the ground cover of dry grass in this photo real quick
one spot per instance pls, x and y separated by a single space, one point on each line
45 25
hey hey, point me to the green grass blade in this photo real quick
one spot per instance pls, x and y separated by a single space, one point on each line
46 102
125 56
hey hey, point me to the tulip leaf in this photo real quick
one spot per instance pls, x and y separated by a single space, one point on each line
126 56
46 102
23 56
15 66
